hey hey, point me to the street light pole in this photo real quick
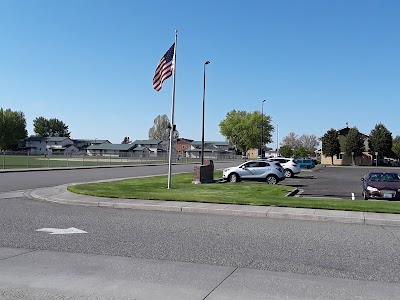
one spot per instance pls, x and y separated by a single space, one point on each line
204 98
262 126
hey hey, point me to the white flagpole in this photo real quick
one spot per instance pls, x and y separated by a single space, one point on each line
171 133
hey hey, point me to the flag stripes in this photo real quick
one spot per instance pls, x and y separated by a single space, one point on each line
164 68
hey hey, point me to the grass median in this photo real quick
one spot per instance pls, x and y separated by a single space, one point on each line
246 193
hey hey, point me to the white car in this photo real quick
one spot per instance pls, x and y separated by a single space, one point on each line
270 171
289 165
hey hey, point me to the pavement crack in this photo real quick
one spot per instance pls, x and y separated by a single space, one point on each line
230 221
229 275
391 233
16 255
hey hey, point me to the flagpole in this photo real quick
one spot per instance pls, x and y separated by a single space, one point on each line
171 132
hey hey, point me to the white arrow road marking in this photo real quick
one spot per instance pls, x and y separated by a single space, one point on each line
61 231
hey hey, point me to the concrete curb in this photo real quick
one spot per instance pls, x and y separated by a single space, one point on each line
60 194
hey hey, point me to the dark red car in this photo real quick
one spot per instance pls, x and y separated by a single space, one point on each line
381 185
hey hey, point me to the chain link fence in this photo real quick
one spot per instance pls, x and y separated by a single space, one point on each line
25 160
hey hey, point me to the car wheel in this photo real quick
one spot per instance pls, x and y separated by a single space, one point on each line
308 167
288 173
365 195
233 177
271 179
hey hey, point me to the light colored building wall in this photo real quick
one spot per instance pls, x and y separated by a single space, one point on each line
344 160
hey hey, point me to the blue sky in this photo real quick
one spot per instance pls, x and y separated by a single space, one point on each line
319 64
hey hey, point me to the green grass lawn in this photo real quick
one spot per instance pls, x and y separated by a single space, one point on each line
60 161
248 193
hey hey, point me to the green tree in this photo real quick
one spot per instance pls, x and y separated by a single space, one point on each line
58 128
380 140
354 143
12 128
286 151
301 151
396 147
330 143
246 130
50 127
161 129
41 127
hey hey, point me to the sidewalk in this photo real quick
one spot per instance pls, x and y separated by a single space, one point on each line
59 194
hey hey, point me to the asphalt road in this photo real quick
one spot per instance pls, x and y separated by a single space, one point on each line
318 254
315 248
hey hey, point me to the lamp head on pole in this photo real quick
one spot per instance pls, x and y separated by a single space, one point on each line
207 62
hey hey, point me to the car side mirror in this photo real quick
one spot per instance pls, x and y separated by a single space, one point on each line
362 179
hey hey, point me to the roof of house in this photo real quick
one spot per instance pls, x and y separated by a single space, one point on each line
147 142
214 143
117 147
184 140
47 139
95 141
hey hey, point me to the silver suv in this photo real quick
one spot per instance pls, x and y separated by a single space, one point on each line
270 171
289 165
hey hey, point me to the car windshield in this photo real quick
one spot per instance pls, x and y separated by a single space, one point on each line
384 177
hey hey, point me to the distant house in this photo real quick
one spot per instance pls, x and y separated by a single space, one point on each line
156 147
116 150
255 153
342 159
182 145
87 142
82 144
153 145
36 145
212 149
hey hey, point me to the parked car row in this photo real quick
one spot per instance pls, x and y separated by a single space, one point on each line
272 170
376 184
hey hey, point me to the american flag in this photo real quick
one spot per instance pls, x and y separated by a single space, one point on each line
164 68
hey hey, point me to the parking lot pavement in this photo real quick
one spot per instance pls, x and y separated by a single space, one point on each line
60 194
330 182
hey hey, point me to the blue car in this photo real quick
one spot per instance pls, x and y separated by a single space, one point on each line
305 163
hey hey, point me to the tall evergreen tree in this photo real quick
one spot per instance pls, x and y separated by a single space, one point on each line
380 140
330 143
58 128
354 143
